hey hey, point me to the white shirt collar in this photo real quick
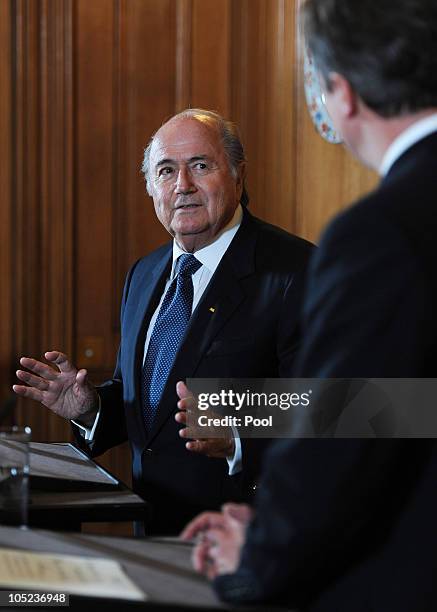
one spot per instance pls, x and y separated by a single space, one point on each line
409 137
210 255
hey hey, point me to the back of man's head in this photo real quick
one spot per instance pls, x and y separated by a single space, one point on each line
386 49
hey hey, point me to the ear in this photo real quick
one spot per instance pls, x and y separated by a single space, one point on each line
345 98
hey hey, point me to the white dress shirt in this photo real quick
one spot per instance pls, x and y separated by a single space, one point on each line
418 131
210 257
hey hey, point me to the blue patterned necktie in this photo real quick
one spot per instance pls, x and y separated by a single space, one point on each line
168 332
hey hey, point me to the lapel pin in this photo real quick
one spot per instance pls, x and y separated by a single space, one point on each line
212 309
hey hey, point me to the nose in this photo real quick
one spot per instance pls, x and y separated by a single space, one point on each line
184 182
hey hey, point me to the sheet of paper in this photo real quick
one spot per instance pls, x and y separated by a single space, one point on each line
63 460
66 573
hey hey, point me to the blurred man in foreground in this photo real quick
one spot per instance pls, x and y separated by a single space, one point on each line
350 525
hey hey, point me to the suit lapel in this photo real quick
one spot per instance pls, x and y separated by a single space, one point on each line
223 295
150 286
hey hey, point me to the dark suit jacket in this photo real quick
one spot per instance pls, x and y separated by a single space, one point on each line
350 525
257 293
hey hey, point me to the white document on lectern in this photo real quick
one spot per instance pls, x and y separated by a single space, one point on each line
66 573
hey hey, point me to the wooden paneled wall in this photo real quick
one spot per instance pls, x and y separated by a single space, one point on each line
6 307
84 84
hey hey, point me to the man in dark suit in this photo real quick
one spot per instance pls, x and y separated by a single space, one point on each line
350 525
221 300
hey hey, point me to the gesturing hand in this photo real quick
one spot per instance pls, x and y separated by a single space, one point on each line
223 447
65 390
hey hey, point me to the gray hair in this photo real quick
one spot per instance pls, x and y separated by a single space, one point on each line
386 49
230 139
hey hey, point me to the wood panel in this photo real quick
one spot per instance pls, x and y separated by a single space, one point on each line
94 176
184 22
249 90
41 228
6 213
210 55
263 103
27 239
56 166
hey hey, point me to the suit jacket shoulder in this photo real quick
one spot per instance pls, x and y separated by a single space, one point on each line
275 245
376 265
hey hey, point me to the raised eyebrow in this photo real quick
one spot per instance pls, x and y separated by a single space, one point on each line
198 158
172 162
164 162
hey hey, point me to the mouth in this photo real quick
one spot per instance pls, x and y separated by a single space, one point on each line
189 206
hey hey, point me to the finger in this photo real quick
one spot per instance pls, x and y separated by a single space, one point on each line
181 417
201 523
195 446
182 390
210 448
196 526
240 512
211 569
215 537
210 564
28 392
206 447
200 557
187 432
185 404
196 556
61 360
33 381
37 367
82 377
188 404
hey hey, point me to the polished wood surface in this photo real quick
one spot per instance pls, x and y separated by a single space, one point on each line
84 85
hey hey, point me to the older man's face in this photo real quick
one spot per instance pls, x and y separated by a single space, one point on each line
193 189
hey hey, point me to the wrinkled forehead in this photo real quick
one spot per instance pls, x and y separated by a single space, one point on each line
185 138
